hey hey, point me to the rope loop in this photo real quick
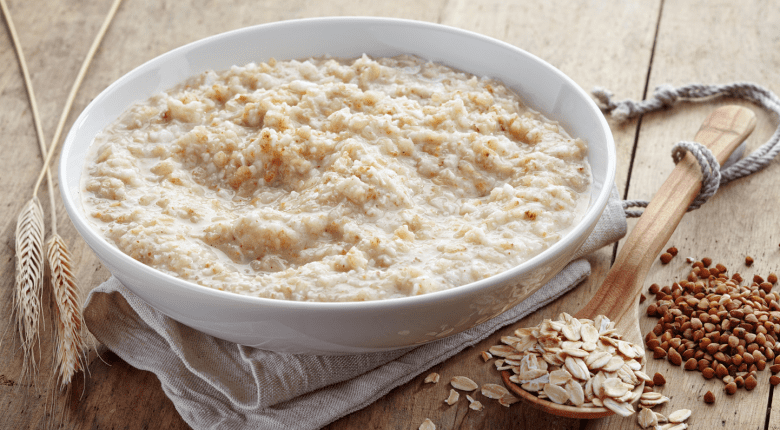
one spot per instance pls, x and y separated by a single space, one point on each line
665 96
710 169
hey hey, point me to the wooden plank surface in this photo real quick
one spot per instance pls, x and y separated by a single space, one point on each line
706 42
607 43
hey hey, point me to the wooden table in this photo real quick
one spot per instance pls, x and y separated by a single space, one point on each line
628 47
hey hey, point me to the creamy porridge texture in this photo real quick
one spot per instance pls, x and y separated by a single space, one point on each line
325 180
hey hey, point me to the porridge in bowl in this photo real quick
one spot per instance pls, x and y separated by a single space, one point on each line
326 180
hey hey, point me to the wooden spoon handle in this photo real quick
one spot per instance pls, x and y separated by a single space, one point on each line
722 132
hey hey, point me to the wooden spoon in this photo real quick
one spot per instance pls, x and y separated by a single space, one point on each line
617 298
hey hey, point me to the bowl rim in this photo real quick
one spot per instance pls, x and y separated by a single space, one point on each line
589 219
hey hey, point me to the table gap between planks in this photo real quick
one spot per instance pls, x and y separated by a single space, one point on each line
625 46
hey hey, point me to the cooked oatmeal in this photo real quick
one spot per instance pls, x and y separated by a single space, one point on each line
326 180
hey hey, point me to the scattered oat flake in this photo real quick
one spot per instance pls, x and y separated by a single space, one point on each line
463 383
508 400
651 396
433 378
655 402
510 340
474 404
494 391
647 418
453 397
679 416
427 425
510 363
620 408
502 350
661 418
486 356
642 375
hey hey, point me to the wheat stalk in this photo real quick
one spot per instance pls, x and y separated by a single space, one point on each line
29 279
75 88
70 350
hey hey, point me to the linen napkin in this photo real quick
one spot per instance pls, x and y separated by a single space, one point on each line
218 384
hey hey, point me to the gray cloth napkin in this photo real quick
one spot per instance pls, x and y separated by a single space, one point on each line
218 384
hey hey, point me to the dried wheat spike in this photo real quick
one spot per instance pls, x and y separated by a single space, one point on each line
29 277
69 353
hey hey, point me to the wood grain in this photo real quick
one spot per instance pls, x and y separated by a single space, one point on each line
607 43
697 42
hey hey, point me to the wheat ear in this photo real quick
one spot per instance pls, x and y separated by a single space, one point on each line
69 352
29 280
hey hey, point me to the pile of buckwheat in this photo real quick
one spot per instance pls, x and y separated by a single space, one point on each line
718 325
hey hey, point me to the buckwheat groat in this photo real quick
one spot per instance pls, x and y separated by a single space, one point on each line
326 180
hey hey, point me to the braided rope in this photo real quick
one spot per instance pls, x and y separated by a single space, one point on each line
666 96
710 169
634 204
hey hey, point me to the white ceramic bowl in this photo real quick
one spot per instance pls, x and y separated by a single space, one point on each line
339 328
